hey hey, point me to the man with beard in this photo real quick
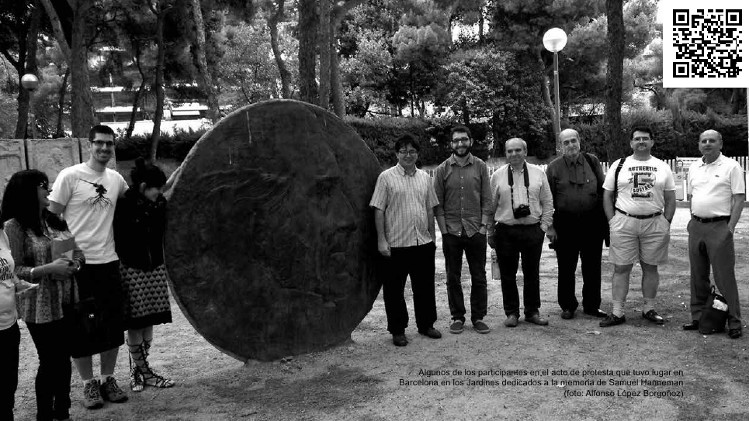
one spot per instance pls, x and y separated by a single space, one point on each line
522 209
86 194
639 201
463 214
576 181
717 194
403 203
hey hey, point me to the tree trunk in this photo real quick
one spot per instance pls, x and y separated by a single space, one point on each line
141 88
481 23
214 113
546 93
324 42
308 22
26 64
159 83
82 104
613 117
60 131
276 17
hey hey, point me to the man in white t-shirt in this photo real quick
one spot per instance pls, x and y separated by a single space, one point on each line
639 205
86 194
717 193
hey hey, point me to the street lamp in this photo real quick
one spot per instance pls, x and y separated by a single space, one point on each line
554 40
30 82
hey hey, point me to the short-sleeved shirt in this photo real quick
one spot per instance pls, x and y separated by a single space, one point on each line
405 199
464 194
89 198
713 185
8 314
641 185
537 196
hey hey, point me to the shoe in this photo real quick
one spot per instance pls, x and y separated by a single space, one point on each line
431 332
654 317
568 314
596 313
734 333
111 392
512 321
536 320
480 327
456 326
693 325
136 379
400 340
91 395
612 320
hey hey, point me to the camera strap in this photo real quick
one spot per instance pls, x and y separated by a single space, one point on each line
511 182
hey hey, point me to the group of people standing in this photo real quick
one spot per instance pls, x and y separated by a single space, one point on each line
89 243
575 205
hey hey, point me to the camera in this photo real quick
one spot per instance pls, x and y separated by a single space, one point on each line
521 211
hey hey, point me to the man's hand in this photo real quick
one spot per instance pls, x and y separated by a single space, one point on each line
383 247
551 234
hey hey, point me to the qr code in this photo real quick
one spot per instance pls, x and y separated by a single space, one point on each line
704 47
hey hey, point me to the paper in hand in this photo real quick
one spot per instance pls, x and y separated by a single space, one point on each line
63 248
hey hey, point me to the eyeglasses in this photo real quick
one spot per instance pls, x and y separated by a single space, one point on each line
461 139
102 143
408 152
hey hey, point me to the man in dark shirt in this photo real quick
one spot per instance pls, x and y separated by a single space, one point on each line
463 213
576 181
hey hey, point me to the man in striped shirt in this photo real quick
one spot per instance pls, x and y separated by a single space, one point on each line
404 201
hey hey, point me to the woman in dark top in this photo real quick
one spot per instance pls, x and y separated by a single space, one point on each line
139 225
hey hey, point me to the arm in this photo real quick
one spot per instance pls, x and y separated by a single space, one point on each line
439 210
608 204
551 232
430 223
487 216
736 208
547 206
669 208
382 243
56 208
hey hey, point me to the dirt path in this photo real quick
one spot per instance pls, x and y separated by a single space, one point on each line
508 374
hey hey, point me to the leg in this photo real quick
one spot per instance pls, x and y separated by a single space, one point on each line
452 246
108 361
507 258
10 340
421 270
137 358
392 290
84 366
590 260
533 242
476 257
52 383
650 281
620 288
722 256
699 268
567 251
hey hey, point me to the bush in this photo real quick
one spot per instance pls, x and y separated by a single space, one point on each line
174 146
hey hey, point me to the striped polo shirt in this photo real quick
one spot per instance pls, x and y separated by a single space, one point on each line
405 199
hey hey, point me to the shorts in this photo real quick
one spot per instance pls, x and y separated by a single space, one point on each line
103 283
634 240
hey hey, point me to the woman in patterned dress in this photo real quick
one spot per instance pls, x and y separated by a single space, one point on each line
139 225
37 240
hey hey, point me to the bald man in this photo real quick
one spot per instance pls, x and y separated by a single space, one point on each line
717 192
576 182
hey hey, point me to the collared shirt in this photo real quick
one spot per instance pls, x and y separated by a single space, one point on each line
464 194
405 199
541 203
713 185
575 186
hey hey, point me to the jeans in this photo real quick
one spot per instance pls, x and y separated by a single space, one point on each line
10 340
418 263
453 247
52 383
513 242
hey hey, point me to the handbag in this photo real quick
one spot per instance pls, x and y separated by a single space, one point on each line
714 314
83 315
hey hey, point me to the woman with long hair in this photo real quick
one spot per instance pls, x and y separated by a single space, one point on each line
139 226
34 234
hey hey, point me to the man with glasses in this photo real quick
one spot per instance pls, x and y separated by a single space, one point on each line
639 201
576 182
86 194
463 214
522 209
403 202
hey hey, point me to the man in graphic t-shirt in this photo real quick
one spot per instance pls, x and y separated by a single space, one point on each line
86 194
639 205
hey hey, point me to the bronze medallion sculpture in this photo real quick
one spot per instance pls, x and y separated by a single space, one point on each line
271 244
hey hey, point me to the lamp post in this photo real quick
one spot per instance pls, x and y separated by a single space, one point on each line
30 82
554 40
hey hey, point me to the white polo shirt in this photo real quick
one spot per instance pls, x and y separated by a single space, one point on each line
713 185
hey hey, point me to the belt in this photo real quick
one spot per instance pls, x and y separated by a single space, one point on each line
652 215
715 219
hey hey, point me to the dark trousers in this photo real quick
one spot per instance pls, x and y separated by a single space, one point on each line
711 244
475 249
52 383
418 263
587 244
513 242
10 340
